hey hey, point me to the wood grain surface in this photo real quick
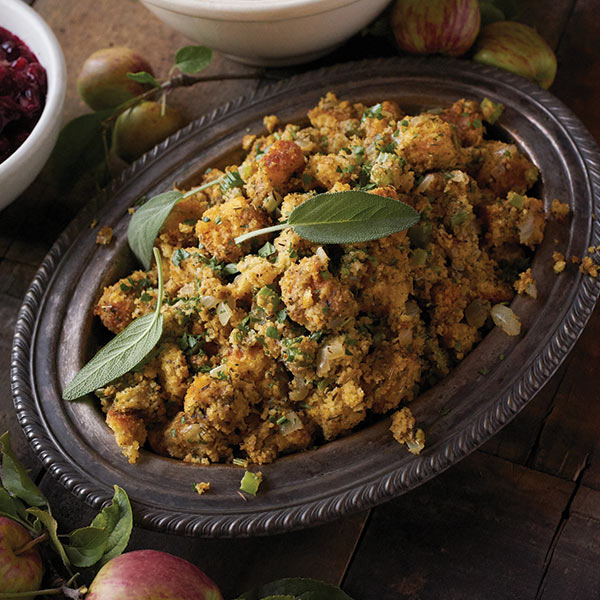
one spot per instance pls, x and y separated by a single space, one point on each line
518 519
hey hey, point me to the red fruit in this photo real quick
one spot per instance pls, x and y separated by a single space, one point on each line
19 572
151 575
516 48
436 26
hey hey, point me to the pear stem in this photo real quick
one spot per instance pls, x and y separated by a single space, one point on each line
30 544
31 594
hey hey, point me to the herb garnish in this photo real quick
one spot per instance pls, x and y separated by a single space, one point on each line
147 220
345 218
123 352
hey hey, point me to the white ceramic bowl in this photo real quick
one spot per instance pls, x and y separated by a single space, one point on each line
23 166
268 32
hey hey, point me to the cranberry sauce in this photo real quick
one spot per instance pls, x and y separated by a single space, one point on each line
22 92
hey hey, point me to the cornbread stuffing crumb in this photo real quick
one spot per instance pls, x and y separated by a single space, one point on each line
201 487
404 432
588 267
559 262
104 236
278 344
560 210
526 284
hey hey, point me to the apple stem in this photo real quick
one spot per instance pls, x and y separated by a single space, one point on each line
29 545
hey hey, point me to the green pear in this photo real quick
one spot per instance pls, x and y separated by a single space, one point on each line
141 127
103 81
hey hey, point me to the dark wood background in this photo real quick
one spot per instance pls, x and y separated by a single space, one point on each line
519 518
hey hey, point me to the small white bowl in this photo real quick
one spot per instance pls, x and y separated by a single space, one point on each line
268 32
22 167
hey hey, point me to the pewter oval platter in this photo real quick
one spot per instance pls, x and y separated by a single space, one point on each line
56 333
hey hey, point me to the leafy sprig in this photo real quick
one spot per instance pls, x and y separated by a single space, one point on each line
344 218
22 501
124 352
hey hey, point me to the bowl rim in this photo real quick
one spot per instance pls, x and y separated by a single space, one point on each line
252 10
56 72
389 480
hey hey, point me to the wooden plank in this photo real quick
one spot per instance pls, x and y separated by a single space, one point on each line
237 565
15 278
573 572
578 78
476 531
83 27
518 440
570 434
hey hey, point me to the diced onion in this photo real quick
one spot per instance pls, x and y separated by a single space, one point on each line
426 183
328 353
292 423
506 319
224 313
216 371
476 313
412 309
208 301
322 254
526 229
405 336
300 391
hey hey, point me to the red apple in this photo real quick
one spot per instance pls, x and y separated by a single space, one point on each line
436 26
151 575
517 48
19 572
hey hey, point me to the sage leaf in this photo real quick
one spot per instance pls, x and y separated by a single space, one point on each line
117 520
296 587
148 219
345 218
15 478
86 546
144 77
123 352
192 59
146 222
51 526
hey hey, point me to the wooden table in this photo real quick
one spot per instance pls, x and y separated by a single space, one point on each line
519 518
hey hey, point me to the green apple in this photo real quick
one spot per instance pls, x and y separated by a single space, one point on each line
517 48
436 26
103 81
141 127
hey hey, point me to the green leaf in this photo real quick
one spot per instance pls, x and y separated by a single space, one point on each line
117 520
345 218
78 149
86 546
146 222
51 526
192 59
15 478
144 78
8 506
123 352
148 219
296 587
